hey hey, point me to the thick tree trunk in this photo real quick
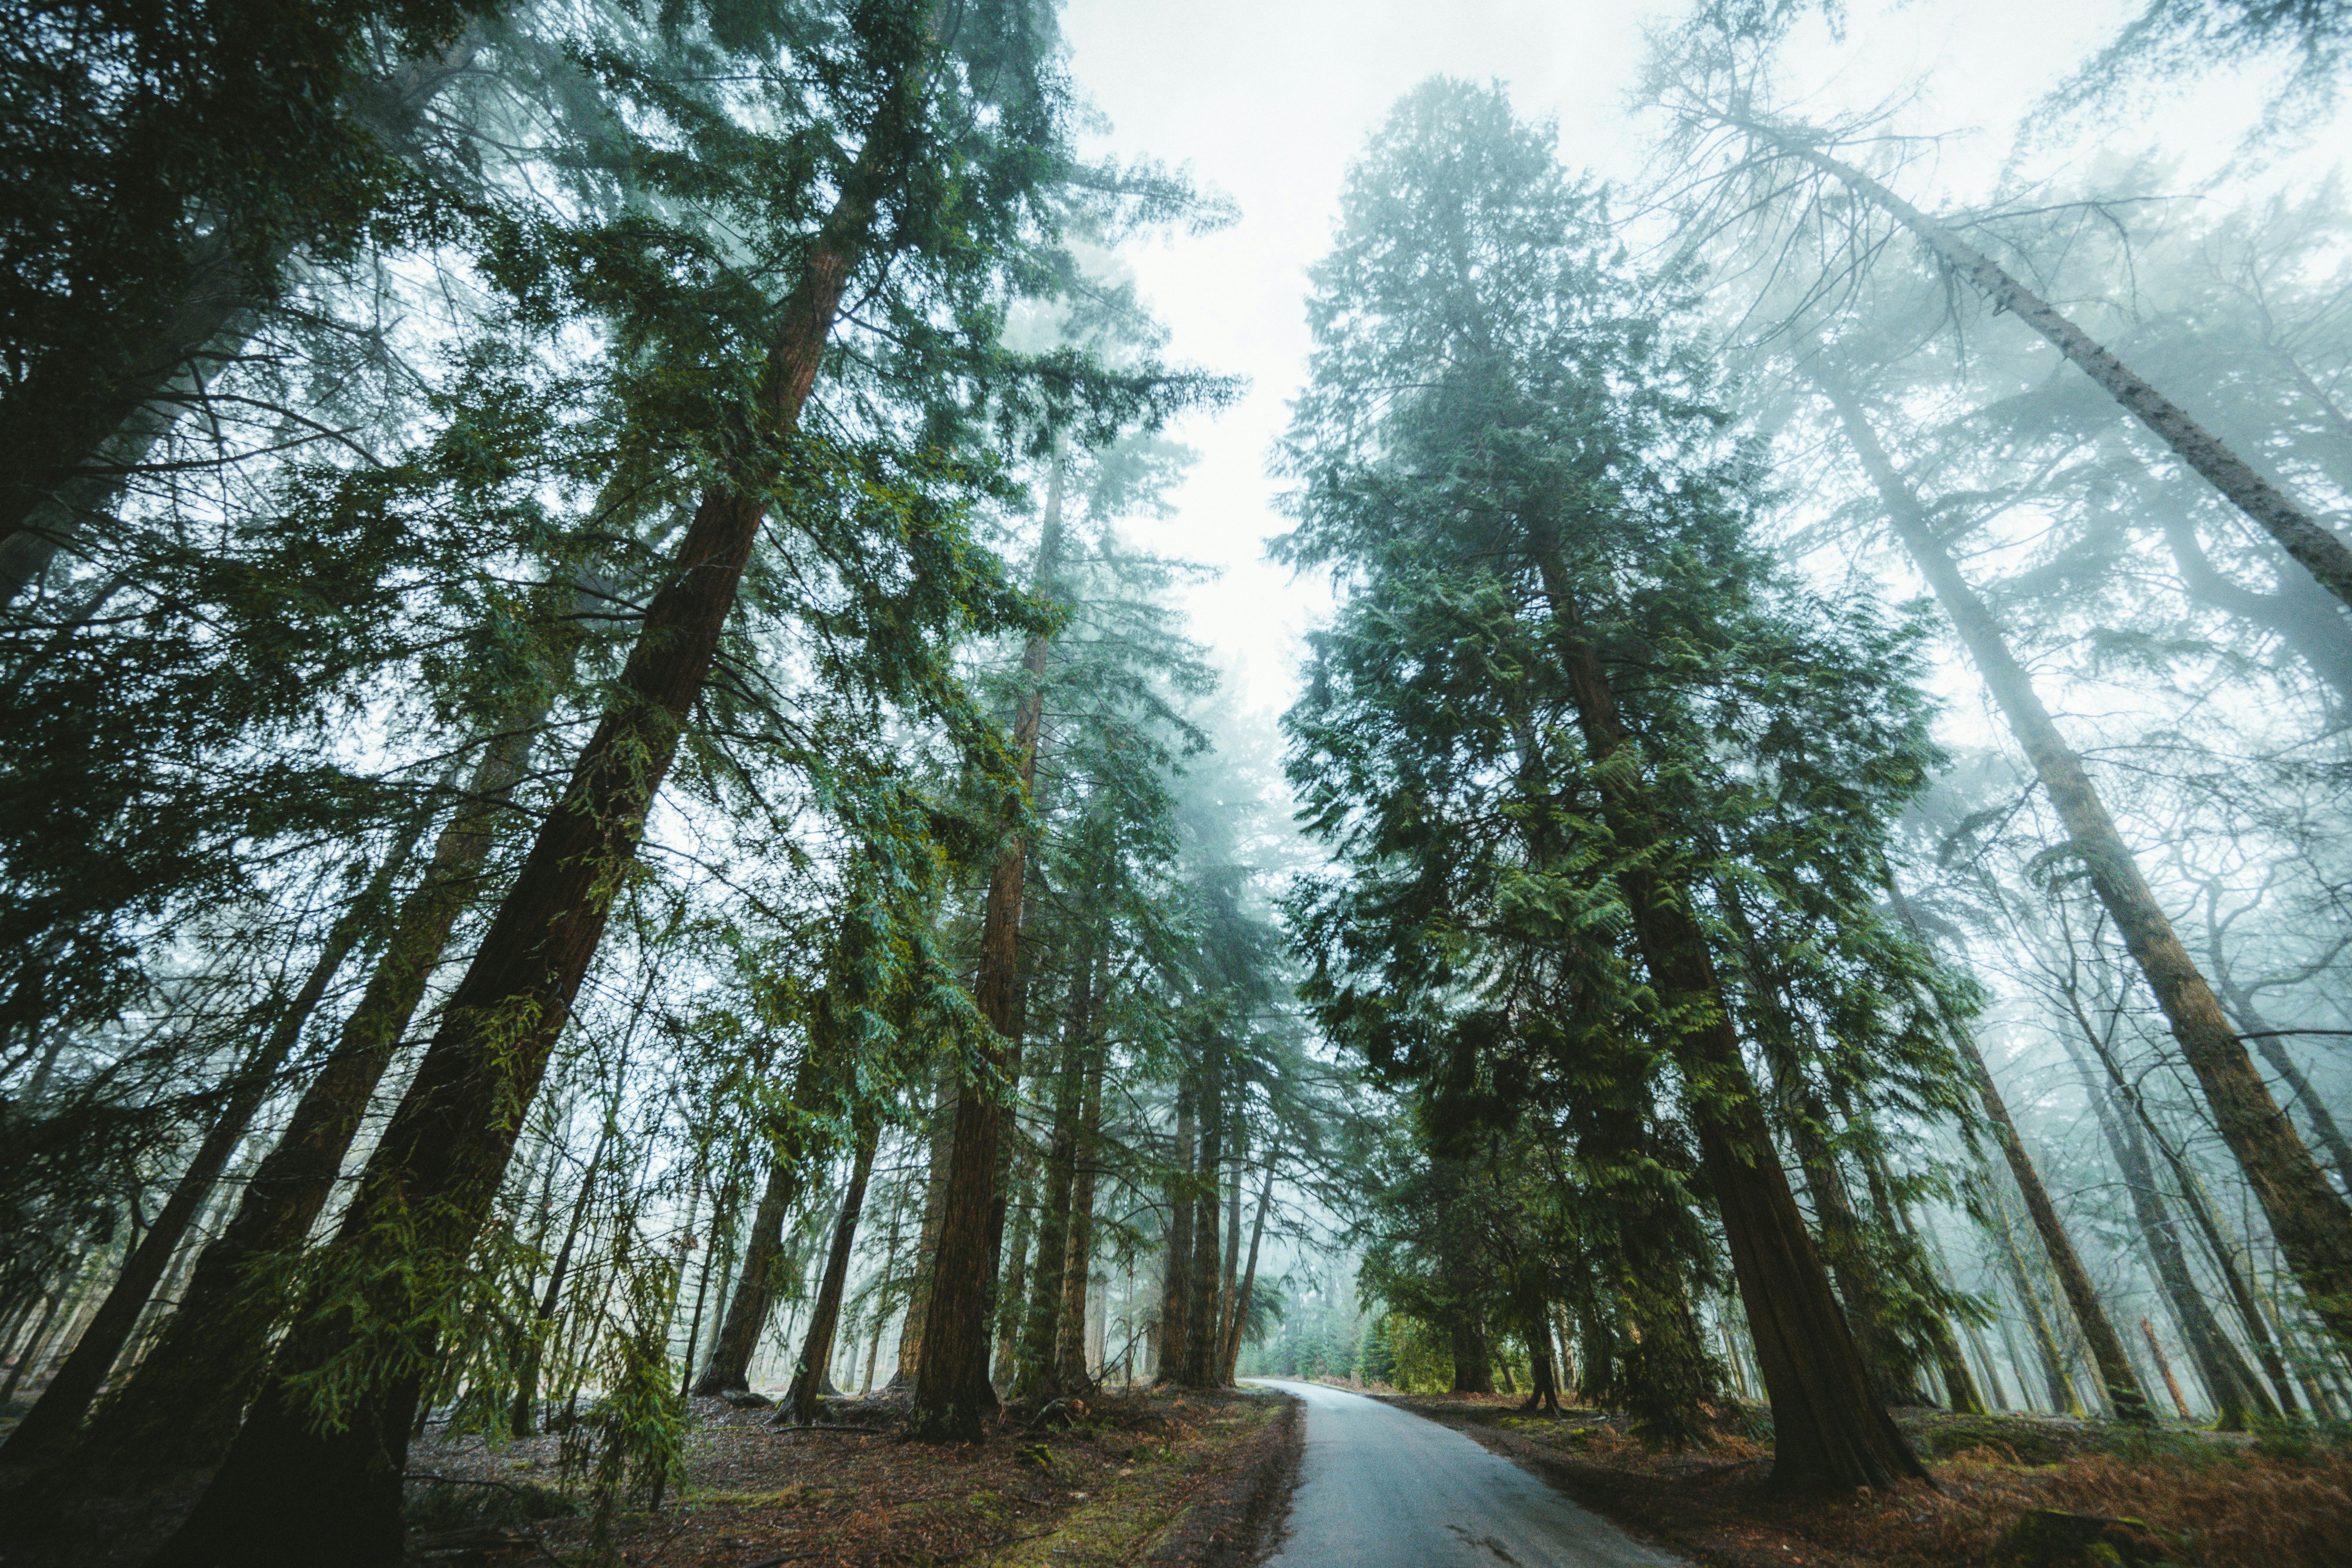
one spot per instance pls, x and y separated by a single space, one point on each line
56 1416
808 1386
953 1397
1829 1431
2311 1220
2301 535
1239 1322
1176 1250
1543 1383
289 1492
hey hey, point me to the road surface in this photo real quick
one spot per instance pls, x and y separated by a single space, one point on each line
1382 1489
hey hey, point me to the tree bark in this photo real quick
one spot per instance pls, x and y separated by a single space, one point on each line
288 1492
1240 1322
1037 1364
1829 1431
1078 1256
806 1394
1176 1248
1202 1322
2312 1222
2232 1382
927 1239
55 1418
953 1397
181 1408
2301 535
799 1145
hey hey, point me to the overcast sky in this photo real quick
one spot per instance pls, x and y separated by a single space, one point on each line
1268 100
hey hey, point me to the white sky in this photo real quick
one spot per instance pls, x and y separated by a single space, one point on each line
1268 102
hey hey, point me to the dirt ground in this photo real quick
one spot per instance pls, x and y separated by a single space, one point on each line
1142 1477
2196 1499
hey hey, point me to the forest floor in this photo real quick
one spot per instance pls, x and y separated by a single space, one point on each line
2196 1498
1158 1477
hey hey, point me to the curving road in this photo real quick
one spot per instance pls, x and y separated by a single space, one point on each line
1382 1489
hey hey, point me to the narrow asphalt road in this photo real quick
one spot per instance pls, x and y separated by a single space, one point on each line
1382 1489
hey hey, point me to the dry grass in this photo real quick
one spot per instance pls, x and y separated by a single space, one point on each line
2204 1501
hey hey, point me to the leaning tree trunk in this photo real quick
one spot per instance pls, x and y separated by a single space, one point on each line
1829 1431
807 1392
2327 558
289 1492
2232 1382
2312 1222
1239 1321
57 1416
953 1397
181 1408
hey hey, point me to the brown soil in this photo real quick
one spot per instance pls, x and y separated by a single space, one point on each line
1161 1478
2205 1500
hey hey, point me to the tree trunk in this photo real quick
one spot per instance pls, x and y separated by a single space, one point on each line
927 1240
56 1416
1829 1431
1022 1189
1240 1322
816 1352
181 1408
523 1418
799 1145
1176 1251
2312 1222
1201 1323
1037 1364
722 1219
1543 1383
953 1397
2301 535
1078 1256
1227 1300
290 1493
2232 1382
1848 1255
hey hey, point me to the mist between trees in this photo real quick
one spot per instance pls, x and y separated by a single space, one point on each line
605 801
